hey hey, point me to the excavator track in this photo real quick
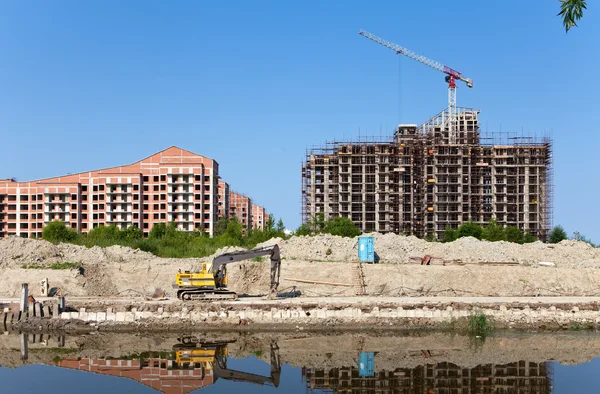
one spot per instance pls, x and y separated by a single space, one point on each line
195 295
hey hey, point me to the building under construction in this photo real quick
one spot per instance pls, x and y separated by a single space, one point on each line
425 179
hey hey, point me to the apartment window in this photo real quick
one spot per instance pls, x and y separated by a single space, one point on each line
84 188
84 216
197 216
101 206
24 207
12 225
155 207
145 197
74 197
146 188
83 225
95 216
145 207
136 206
163 216
197 206
102 197
39 216
145 179
136 197
198 196
206 207
206 178
135 216
146 226
197 187
12 216
163 178
155 188
198 178
101 188
155 197
73 206
73 216
206 225
84 207
156 178
33 198
84 198
163 206
156 216
136 188
101 216
207 188
24 198
163 188
12 198
12 207
95 188
145 216
95 197
163 197
206 197
73 225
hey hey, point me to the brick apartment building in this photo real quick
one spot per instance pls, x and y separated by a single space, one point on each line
174 185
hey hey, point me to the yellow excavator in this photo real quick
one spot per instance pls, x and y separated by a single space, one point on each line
212 357
210 281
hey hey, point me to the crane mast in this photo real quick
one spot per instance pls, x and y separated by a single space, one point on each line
451 77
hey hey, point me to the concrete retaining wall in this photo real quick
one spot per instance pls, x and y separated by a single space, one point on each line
504 314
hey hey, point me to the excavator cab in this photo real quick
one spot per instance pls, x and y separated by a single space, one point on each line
212 358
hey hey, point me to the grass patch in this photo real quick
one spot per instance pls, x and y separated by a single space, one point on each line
54 266
258 259
257 353
479 324
67 265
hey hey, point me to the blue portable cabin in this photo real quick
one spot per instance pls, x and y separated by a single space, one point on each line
366 249
366 364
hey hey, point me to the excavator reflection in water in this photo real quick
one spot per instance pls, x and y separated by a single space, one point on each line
192 365
213 356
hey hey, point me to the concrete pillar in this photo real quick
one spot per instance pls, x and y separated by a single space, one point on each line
24 295
56 311
24 347
38 309
61 304
31 309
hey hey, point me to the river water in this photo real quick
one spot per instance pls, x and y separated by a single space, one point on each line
299 362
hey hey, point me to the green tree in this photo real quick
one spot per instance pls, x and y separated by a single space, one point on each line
221 226
280 227
431 237
529 238
57 232
470 229
270 224
132 233
571 11
303 230
450 235
557 234
493 232
158 231
513 234
341 226
577 236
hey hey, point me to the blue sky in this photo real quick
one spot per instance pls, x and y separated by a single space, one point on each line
86 85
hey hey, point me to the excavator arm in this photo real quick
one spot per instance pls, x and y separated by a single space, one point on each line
221 372
221 261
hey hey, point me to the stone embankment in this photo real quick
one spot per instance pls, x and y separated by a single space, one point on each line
329 313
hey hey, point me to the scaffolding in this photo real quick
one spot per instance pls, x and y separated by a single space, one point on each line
418 183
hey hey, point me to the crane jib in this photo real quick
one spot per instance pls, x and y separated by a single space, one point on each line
452 72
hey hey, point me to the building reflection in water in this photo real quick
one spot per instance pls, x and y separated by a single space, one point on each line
520 377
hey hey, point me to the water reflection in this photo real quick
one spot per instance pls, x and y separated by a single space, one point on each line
441 378
190 366
324 363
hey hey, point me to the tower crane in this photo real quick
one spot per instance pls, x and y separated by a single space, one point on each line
451 77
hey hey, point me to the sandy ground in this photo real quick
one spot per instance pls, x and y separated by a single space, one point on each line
118 271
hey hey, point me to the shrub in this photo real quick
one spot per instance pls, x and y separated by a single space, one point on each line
493 232
450 235
480 324
557 234
513 234
341 226
470 229
57 232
